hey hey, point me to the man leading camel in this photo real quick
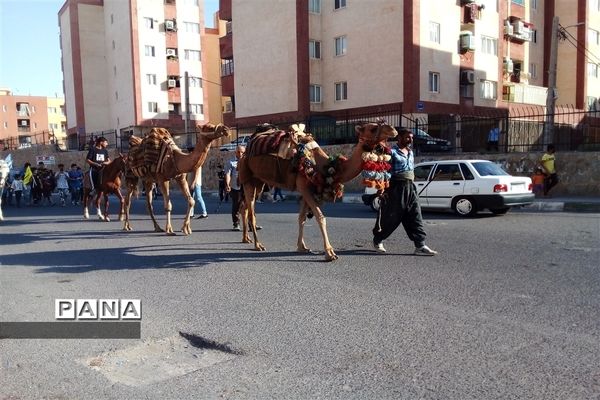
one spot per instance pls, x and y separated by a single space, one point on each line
232 186
97 158
401 204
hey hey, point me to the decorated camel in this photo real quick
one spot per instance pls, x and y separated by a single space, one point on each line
303 167
110 184
156 160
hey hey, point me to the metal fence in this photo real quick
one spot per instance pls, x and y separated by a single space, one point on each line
519 131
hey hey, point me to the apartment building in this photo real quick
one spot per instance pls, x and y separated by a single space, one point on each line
426 57
125 62
30 119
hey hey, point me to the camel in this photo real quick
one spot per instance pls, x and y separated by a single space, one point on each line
175 166
255 170
111 184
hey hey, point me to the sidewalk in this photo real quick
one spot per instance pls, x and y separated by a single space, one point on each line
559 203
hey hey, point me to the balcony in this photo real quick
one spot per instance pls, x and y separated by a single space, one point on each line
226 46
225 10
524 94
227 85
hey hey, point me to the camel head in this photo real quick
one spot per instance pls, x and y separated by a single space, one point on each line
373 133
211 131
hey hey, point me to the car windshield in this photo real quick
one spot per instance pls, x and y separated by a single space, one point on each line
421 134
485 168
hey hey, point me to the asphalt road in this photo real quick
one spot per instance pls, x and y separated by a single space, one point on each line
509 309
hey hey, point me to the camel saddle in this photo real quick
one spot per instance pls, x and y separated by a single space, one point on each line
273 142
147 155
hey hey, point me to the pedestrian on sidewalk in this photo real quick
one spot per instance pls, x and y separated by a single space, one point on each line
277 192
547 163
17 187
62 184
537 179
223 194
232 187
401 200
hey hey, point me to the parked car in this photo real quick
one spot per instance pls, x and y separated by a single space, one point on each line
423 142
240 141
466 187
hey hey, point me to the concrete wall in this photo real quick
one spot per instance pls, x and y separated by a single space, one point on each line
579 172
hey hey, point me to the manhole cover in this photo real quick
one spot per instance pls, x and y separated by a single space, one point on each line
159 359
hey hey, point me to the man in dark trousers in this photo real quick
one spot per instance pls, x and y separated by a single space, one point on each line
401 200
97 158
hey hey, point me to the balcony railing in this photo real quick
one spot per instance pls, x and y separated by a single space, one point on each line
525 94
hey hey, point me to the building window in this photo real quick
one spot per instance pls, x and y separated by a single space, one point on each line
341 91
434 32
314 49
339 4
434 82
112 19
489 46
151 79
227 67
5 125
519 2
152 107
533 35
314 6
488 90
533 70
191 27
114 70
340 46
315 93
4 107
113 44
533 4
192 55
149 23
194 81
51 110
592 70
592 103
149 51
197 108
116 95
595 5
32 109
593 36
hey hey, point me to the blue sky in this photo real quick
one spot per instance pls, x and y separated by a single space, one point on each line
30 49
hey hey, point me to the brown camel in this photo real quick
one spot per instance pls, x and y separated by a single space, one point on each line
111 184
175 166
255 170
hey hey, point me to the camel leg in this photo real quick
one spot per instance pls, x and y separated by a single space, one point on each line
244 214
106 201
250 191
164 188
121 204
301 221
149 207
320 218
181 181
86 195
127 205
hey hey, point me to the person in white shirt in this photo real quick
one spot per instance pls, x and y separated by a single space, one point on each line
17 186
62 184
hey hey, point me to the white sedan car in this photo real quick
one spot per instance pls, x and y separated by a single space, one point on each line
467 186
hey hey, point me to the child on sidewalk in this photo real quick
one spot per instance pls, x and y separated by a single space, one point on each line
538 182
17 187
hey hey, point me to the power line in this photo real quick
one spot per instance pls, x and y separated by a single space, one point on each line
567 36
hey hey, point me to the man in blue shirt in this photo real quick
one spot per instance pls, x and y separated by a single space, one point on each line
400 202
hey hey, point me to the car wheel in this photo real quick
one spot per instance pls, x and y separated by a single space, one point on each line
464 206
375 203
499 211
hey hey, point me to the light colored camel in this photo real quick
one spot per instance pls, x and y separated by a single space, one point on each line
259 169
176 165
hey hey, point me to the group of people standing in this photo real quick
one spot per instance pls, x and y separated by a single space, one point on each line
35 185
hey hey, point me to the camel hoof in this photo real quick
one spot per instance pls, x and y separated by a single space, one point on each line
246 241
303 250
259 247
121 219
331 257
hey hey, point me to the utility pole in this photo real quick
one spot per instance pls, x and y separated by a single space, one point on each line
552 94
186 84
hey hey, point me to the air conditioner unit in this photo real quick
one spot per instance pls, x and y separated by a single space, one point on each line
525 34
171 53
467 77
467 41
171 106
169 25
467 1
518 27
171 83
24 122
508 65
508 29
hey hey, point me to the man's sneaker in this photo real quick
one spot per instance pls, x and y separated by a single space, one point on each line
236 227
425 251
202 216
379 247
